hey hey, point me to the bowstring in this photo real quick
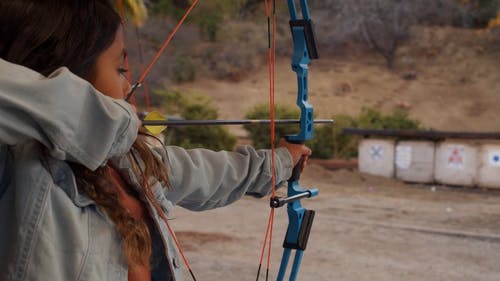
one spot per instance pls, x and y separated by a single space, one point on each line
141 62
270 7
160 51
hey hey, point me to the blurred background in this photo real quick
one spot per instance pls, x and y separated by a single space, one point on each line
408 212
427 64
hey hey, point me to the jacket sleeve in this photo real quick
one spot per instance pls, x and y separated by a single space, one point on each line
64 113
203 179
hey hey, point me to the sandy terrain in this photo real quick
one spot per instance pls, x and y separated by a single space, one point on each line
366 228
456 86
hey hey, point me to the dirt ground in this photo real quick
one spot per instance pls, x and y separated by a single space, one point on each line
366 228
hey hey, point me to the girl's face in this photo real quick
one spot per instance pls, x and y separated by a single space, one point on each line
108 75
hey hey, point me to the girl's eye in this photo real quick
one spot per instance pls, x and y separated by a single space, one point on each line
122 70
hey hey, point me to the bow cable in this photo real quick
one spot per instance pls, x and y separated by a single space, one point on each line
160 51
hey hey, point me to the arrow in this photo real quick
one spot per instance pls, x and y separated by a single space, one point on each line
227 122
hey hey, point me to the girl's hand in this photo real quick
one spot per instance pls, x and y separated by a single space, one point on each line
297 151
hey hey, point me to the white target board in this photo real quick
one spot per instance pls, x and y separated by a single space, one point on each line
376 157
488 174
494 158
456 157
403 157
376 152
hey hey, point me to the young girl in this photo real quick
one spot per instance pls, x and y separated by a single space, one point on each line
82 195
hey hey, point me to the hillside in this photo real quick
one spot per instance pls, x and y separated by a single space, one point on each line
457 85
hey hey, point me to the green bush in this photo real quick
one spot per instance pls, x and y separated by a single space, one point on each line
167 8
329 142
346 146
209 15
260 134
322 143
210 24
212 14
400 120
476 13
372 119
194 107
483 12
184 69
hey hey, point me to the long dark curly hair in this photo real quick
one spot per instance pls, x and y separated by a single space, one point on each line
47 34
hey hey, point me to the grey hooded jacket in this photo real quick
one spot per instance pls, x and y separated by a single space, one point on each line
50 231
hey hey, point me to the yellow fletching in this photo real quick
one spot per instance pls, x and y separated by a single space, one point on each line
155 115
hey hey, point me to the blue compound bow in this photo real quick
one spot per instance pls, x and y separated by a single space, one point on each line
300 219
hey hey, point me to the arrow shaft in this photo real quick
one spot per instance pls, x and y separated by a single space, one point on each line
227 122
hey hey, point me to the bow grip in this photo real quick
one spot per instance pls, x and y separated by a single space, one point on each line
297 169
